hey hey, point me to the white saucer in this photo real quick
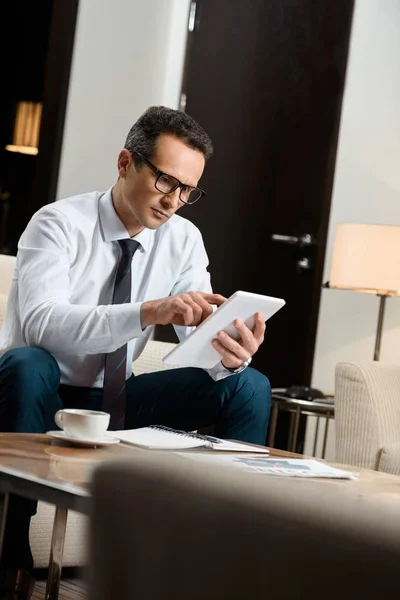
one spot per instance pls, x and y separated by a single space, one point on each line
107 440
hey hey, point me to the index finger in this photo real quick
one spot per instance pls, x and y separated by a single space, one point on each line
214 299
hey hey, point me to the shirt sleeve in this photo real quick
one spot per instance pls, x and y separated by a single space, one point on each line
196 278
48 319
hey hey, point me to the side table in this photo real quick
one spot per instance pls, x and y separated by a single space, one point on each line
320 408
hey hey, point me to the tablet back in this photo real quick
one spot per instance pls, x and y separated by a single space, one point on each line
197 349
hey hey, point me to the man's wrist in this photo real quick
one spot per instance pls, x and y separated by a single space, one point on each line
147 314
238 369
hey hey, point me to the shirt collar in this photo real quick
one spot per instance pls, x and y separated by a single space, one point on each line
112 227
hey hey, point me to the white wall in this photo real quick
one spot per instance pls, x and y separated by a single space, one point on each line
128 55
366 187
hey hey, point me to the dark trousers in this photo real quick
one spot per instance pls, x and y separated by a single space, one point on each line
30 395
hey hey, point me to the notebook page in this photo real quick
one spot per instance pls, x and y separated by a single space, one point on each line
146 437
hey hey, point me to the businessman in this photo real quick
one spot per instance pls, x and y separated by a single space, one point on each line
94 274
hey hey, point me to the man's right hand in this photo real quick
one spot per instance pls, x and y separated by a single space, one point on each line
188 309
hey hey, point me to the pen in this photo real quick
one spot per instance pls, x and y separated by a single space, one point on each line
210 438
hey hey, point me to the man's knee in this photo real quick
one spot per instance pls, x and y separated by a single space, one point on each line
29 367
257 389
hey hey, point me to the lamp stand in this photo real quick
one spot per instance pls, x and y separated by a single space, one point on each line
378 339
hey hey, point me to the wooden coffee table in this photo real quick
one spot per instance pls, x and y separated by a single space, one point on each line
37 467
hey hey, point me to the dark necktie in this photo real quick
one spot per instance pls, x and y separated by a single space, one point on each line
115 366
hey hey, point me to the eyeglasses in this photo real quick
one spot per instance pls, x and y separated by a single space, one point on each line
166 184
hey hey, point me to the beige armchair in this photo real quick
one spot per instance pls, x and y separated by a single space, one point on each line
42 522
367 416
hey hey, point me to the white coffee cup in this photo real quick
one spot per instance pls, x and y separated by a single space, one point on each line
83 424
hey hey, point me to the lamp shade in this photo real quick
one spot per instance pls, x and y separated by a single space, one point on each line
366 258
26 128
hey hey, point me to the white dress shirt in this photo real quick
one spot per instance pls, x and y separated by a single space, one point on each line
62 288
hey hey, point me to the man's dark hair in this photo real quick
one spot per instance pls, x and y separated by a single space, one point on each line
159 120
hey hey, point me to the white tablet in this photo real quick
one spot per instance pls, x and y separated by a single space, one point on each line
198 351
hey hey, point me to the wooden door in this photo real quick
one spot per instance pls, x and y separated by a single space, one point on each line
266 80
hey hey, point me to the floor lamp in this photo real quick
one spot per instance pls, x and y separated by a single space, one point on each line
366 258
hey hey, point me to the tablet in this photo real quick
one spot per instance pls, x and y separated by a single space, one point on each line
197 350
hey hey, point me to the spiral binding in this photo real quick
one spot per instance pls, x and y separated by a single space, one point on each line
189 434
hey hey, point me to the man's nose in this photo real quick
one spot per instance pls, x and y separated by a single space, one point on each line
172 200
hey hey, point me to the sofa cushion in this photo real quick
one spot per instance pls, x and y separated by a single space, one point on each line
389 461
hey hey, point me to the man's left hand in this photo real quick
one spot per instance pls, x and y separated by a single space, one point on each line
235 353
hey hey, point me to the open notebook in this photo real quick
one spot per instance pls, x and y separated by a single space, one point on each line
164 438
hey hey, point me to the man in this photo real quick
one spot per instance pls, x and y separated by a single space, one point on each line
94 274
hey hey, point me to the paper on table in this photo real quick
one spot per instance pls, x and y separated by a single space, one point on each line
288 467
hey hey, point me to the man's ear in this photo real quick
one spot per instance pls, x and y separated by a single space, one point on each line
125 160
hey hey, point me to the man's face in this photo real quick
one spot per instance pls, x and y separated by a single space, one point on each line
139 203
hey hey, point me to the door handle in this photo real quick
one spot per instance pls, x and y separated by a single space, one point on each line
303 240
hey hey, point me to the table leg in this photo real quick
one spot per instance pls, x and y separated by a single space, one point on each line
272 427
316 438
290 433
3 519
295 429
328 417
56 553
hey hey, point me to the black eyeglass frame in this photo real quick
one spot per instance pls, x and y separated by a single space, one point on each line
180 185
